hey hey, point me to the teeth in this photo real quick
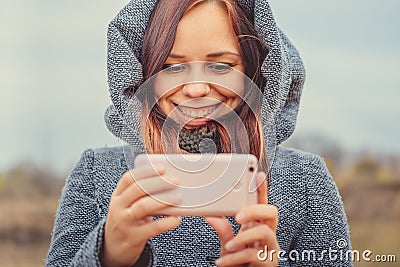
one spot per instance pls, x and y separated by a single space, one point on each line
198 113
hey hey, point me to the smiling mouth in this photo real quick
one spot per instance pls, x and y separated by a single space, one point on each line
201 112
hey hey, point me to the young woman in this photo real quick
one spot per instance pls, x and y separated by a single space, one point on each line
106 219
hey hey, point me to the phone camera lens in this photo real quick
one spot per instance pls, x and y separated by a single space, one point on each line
251 169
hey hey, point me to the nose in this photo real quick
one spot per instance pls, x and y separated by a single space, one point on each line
196 89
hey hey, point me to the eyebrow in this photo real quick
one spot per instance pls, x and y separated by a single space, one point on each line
223 53
212 55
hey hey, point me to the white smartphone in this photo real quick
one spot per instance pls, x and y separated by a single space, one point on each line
210 184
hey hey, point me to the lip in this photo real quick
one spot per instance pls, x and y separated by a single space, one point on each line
194 104
190 121
196 108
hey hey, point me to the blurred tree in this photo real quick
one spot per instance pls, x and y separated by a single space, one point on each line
367 167
367 164
28 180
3 183
385 175
328 148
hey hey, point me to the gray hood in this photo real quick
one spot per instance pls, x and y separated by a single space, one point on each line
282 67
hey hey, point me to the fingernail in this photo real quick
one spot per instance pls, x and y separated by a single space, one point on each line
177 200
261 177
230 245
239 217
172 180
160 169
219 262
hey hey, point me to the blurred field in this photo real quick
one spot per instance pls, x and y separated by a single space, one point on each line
371 195
28 202
370 188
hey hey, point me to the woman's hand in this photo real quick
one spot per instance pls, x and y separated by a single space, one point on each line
129 222
258 229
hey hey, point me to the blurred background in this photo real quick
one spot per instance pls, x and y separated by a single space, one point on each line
53 84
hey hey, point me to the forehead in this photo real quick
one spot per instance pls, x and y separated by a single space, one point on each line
205 28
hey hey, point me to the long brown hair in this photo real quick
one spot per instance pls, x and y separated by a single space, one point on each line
158 42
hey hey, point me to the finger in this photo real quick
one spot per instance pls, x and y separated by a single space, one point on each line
148 186
260 235
222 227
148 219
137 173
244 256
123 183
151 205
262 188
146 171
261 213
159 226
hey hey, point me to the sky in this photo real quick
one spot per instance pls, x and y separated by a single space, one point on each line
54 91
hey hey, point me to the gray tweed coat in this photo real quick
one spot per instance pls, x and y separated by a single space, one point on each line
312 221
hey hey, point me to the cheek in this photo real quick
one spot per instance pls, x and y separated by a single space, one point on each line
165 85
164 97
159 89
232 87
163 88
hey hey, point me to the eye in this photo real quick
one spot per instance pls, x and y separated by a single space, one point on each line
174 68
219 68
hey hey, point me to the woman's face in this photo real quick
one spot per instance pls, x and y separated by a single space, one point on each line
203 74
